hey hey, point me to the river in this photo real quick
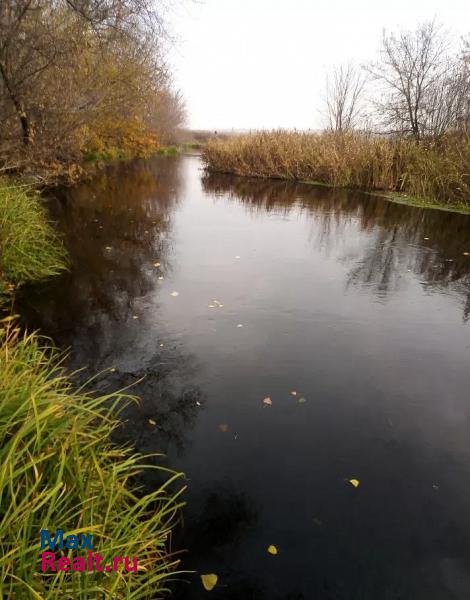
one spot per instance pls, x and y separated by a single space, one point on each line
285 339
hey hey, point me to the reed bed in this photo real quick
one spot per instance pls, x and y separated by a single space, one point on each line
434 171
58 469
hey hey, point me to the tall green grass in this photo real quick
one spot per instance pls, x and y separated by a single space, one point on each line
29 248
438 171
58 469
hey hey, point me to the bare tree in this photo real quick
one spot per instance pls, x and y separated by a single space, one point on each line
344 91
411 68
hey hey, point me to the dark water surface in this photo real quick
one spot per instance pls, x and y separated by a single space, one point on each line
357 304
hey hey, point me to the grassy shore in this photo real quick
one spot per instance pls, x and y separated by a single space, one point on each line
30 250
58 467
429 174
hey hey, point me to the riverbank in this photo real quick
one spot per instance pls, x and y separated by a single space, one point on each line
427 175
59 469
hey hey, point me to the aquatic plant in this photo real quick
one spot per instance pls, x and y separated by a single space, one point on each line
58 469
434 170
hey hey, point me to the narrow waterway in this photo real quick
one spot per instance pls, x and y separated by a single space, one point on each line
290 338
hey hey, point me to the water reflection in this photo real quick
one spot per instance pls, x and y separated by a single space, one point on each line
117 227
343 298
428 243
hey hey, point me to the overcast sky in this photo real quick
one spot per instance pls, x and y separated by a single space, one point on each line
261 63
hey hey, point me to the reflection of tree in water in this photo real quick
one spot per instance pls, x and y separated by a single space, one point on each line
397 233
168 406
116 227
226 515
221 523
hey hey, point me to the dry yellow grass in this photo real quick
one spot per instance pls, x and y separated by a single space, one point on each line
434 171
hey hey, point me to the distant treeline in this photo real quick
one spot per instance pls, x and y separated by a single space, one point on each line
400 124
83 79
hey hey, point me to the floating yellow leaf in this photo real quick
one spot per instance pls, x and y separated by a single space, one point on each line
152 422
302 400
209 581
268 401
466 253
354 482
223 427
160 277
135 317
240 325
272 550
293 393
157 264
113 369
108 248
174 294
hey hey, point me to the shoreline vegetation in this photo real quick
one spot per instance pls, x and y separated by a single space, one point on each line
398 125
433 173
81 84
59 468
60 471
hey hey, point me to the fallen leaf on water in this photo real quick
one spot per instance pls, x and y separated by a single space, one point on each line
293 393
466 253
157 264
209 581
112 370
272 549
152 422
135 317
223 427
354 482
161 345
211 305
426 238
174 294
302 400
198 403
268 401
240 325
108 248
